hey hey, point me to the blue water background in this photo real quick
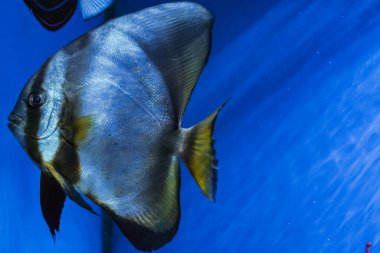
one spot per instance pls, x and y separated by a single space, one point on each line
298 144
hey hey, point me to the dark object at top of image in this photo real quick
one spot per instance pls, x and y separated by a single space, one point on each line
54 14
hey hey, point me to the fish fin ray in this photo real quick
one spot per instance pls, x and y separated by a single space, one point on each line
52 199
199 154
179 44
92 8
77 198
77 130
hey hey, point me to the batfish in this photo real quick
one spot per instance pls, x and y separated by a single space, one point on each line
102 118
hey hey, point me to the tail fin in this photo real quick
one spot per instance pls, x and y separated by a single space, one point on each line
199 154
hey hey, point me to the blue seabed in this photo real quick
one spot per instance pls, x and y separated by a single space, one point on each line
298 144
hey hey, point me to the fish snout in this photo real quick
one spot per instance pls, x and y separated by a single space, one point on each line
14 121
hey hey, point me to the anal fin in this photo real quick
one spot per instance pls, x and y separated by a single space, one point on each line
157 222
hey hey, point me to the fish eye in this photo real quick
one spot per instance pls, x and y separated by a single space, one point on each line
36 100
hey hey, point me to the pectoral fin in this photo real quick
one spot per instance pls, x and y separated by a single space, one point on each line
52 199
77 129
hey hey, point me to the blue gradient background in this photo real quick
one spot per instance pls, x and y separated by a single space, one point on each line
298 144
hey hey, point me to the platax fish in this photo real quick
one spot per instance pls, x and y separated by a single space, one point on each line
53 14
102 118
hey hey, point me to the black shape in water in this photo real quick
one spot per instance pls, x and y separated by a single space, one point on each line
52 14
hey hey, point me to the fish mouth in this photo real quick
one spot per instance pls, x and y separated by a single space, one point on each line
12 126
15 126
14 119
14 122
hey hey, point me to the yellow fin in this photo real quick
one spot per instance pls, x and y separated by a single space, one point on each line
77 130
199 154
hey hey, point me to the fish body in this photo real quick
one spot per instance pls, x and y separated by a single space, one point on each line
102 118
54 14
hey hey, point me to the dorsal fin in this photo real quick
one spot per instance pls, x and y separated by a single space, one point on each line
177 38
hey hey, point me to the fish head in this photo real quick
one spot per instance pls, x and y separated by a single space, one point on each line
36 114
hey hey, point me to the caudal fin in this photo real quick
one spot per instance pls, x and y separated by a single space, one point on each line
199 154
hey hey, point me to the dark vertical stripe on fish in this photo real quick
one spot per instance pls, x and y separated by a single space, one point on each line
66 160
33 118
